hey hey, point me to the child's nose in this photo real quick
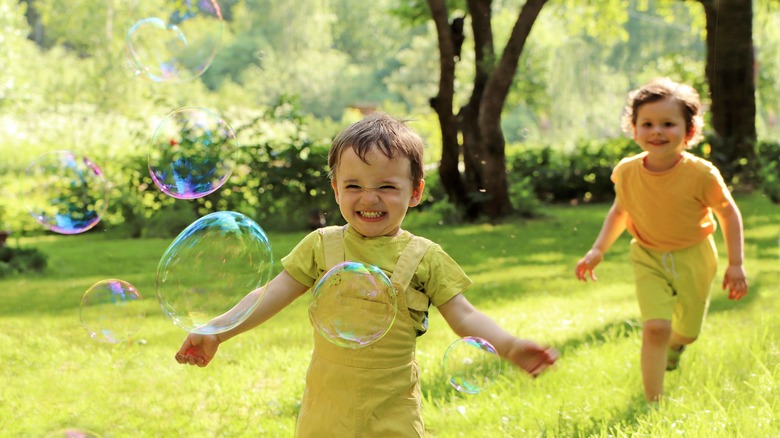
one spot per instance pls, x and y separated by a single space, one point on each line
370 195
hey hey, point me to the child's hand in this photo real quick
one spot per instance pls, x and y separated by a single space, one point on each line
587 264
198 349
532 358
735 281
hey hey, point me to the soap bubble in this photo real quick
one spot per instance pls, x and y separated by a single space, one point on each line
209 268
72 433
354 305
192 153
178 45
471 364
111 311
65 192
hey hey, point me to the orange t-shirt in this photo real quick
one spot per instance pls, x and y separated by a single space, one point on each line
670 210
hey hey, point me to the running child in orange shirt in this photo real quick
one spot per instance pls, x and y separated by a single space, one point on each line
665 198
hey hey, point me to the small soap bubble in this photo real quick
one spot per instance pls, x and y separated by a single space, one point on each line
471 364
209 268
192 153
353 305
72 432
112 311
65 192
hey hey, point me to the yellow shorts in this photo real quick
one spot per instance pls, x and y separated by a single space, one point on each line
675 285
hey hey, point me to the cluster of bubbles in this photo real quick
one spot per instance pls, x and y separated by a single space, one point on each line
217 259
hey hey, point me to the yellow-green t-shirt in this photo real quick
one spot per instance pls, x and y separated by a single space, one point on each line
669 210
438 276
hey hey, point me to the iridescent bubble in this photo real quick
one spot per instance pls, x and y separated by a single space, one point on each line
112 311
65 192
209 268
72 433
177 46
192 153
354 305
471 364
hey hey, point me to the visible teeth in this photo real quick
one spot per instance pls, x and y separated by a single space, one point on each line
371 214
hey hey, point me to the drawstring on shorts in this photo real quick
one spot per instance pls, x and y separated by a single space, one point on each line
668 256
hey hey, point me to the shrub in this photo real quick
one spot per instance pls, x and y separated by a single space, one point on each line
582 174
280 181
169 221
20 260
768 154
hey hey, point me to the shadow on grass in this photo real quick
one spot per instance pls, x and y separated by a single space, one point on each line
614 425
609 332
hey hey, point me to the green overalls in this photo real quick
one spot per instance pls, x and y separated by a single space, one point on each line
372 391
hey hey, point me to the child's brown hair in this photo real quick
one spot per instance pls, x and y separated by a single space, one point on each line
380 131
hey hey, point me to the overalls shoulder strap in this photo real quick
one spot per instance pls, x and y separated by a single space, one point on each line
333 245
405 269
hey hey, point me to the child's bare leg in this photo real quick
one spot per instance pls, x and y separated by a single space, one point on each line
656 334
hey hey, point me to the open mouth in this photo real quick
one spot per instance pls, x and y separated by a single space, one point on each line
371 214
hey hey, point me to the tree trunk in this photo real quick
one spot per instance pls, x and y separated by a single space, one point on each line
483 188
730 73
442 105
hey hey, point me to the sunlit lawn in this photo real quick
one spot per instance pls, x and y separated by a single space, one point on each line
55 377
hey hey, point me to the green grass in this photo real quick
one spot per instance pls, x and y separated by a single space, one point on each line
54 376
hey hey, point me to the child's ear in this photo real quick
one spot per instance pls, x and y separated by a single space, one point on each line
691 132
335 189
417 194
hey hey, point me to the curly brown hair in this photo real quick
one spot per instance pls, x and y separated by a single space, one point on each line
665 88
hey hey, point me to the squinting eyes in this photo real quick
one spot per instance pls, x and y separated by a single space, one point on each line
358 188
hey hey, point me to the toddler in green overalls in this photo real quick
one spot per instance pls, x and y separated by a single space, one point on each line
376 174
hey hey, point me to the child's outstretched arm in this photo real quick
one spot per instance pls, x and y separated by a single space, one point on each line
282 290
466 320
613 227
730 219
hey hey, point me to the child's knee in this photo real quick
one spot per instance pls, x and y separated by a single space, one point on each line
657 331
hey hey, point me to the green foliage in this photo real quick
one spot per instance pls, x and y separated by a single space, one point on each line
20 260
768 155
582 174
169 221
524 199
280 181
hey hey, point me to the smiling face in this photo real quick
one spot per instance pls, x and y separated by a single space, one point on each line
374 195
660 130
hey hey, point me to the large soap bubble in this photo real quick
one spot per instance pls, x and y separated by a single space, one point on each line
178 45
209 268
354 305
192 153
65 192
